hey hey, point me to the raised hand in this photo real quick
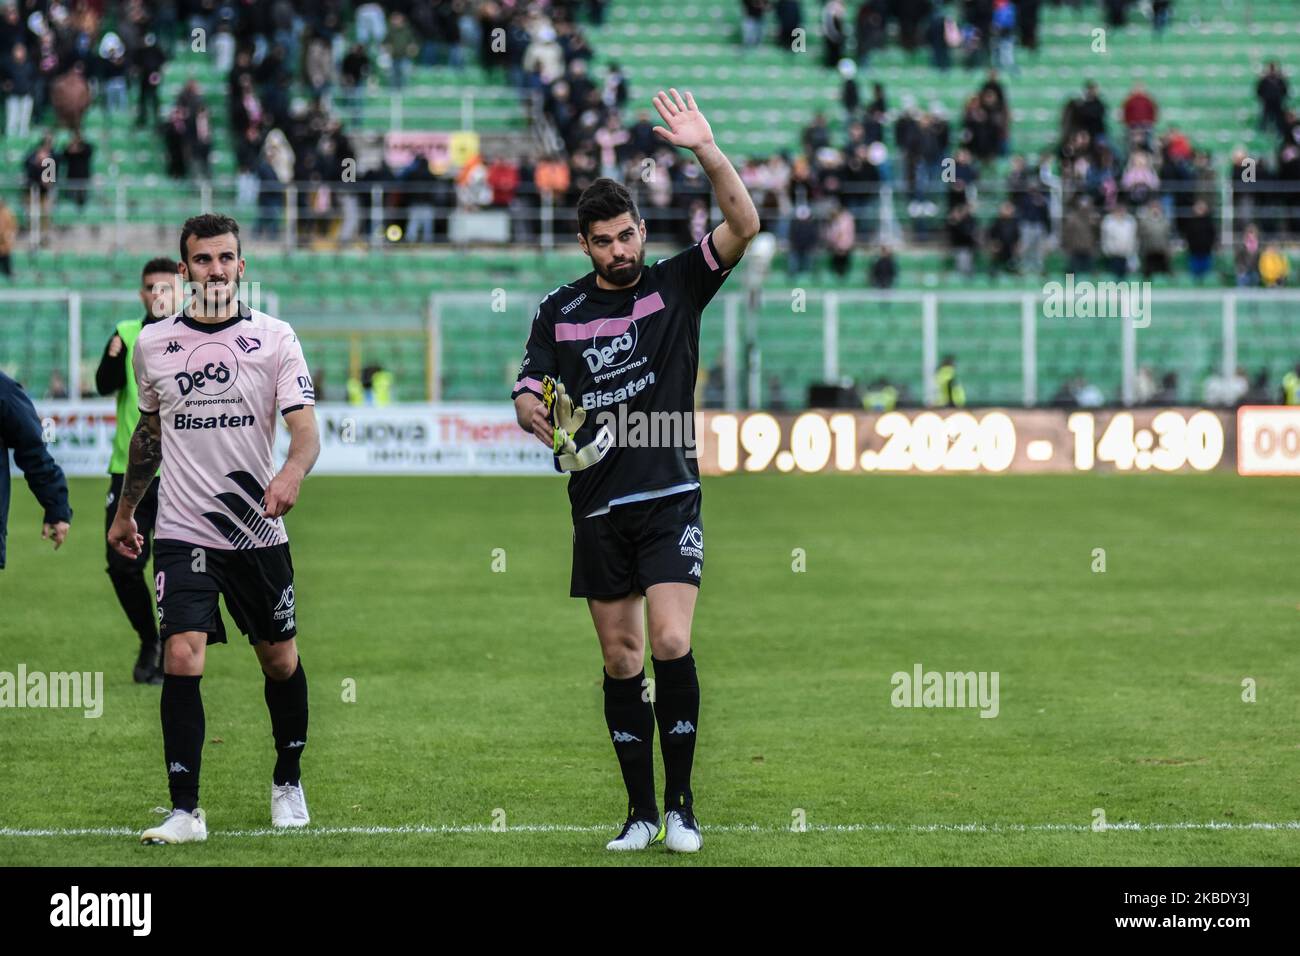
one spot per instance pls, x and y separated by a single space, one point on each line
687 126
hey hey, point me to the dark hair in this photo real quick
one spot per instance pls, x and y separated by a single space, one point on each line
158 264
604 199
207 226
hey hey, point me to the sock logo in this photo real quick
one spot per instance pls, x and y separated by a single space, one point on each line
683 727
178 767
623 738
295 743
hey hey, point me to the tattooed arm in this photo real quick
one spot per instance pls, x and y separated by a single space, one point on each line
142 464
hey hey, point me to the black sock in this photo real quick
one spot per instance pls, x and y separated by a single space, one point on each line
677 708
133 594
287 702
183 728
631 723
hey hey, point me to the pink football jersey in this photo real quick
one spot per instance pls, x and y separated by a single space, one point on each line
218 389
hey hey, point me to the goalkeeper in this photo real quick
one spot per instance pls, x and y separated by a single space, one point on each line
629 335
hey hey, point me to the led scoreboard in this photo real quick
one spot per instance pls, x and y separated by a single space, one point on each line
989 440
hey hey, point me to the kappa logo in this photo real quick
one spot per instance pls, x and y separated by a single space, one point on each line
178 767
295 744
173 347
624 738
616 351
247 343
574 304
692 542
683 727
695 569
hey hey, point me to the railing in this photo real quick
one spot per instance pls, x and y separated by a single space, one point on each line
382 213
1012 347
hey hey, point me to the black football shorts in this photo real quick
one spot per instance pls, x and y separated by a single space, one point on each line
639 544
257 584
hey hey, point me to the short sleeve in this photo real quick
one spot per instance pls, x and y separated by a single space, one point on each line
293 384
146 394
539 356
698 270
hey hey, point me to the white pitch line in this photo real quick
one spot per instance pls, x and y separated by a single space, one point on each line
716 828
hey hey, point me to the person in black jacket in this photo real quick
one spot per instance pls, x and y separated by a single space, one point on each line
20 430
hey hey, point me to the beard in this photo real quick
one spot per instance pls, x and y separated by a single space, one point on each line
622 275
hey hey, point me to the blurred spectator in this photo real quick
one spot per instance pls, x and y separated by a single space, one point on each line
353 73
74 164
1271 91
1003 240
419 180
868 30
1140 181
1035 227
1201 232
1167 394
839 240
1004 35
1291 387
751 21
8 238
402 48
850 98
1154 236
1119 240
113 69
318 65
70 97
833 35
1226 391
1144 386
148 66
19 83
1274 268
1140 113
962 238
803 240
1086 114
611 138
1160 15
1027 23
884 271
948 391
789 17
372 28
1246 258
1079 236
41 172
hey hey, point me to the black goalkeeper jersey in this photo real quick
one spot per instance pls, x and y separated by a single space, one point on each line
624 355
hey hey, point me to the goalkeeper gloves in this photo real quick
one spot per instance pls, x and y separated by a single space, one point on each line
566 420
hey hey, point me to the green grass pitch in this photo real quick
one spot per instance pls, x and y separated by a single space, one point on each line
478 693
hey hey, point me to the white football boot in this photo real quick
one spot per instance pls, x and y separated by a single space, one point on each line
181 826
682 833
288 806
637 835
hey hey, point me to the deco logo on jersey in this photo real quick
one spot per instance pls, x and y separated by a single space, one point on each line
615 350
210 370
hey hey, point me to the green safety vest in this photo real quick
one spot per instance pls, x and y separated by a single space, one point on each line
944 379
128 399
880 399
1291 388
